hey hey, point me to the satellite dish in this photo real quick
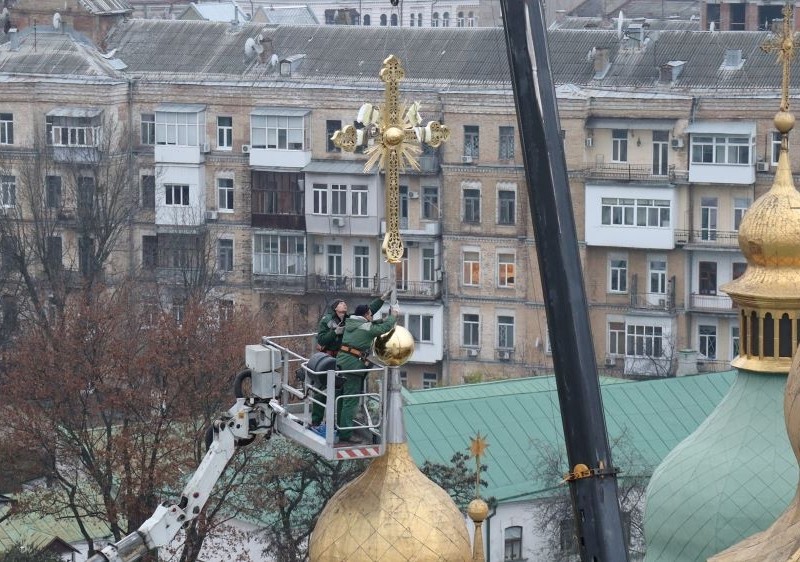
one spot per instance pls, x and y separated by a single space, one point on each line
252 48
56 21
620 21
273 60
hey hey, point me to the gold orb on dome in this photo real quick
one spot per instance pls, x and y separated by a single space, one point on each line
784 121
394 347
394 136
478 509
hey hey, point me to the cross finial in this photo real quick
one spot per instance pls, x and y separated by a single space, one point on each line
477 447
397 134
785 46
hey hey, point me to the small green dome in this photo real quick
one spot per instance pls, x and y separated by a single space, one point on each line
729 479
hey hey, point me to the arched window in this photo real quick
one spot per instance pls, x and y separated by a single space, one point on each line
460 20
412 20
446 19
769 335
366 20
471 19
435 19
394 20
419 20
513 543
754 331
383 19
744 347
785 336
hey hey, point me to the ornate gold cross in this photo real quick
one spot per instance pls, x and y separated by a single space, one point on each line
477 448
785 45
397 134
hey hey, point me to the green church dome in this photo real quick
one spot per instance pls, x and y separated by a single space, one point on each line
729 479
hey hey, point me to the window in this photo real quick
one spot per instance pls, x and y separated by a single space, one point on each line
225 133
178 309
513 543
429 380
618 275
740 206
358 200
277 132
338 199
420 326
226 309
412 20
274 254
149 252
435 19
472 268
506 206
8 191
148 128
471 19
277 193
401 272
419 20
471 325
383 19
708 218
361 267
616 338
331 126
776 147
393 20
176 195
7 252
446 19
85 256
734 342
471 138
366 19
85 194
460 19
53 191
225 194
54 254
148 191
506 143
658 276
660 153
334 260
72 131
505 332
720 150
225 254
707 277
635 212
707 341
320 199
180 129
619 145
472 205
644 341
430 202
737 269
6 128
428 264
506 270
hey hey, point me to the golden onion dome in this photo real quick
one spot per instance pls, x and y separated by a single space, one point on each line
391 513
395 347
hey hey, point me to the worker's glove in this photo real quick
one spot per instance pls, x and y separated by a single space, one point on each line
395 310
339 330
387 294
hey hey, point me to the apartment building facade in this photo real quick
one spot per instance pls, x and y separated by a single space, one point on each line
231 146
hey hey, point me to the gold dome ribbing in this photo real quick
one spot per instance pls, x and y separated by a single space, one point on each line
391 513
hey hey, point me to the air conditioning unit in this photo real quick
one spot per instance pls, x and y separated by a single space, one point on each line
762 166
662 303
466 159
610 361
589 142
206 147
245 148
677 142
319 249
504 355
211 215
338 221
472 352
413 195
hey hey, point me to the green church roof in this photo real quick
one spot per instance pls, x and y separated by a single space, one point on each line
655 416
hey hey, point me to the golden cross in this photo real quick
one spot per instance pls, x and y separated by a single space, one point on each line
785 45
397 134
477 447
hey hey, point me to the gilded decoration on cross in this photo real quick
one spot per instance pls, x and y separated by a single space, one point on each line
396 133
785 46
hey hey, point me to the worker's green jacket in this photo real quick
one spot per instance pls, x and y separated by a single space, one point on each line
327 338
358 334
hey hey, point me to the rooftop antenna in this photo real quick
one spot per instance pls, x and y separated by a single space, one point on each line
252 48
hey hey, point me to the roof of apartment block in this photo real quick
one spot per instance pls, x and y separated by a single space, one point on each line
106 7
522 421
434 58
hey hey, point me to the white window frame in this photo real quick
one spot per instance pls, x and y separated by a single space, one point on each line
740 206
8 191
338 199
430 202
177 128
225 197
775 146
645 337
177 195
635 213
472 203
428 264
474 324
334 260
657 275
359 198
361 273
278 132
319 193
619 145
72 131
502 204
424 326
279 254
430 380
224 133
469 278
506 270
735 343
503 328
616 338
618 273
225 254
147 128
721 150
707 341
6 128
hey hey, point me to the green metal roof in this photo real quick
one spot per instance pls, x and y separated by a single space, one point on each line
656 415
729 479
39 530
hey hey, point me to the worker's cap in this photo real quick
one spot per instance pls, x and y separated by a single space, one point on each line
362 309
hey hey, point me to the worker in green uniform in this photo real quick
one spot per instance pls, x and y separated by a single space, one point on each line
359 331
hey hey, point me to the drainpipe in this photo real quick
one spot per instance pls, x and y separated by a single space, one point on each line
488 523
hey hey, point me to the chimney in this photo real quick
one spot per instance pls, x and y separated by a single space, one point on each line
601 62
733 58
670 71
13 36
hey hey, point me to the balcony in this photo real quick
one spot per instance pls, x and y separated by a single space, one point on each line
653 301
413 289
342 284
280 283
707 238
622 171
711 303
